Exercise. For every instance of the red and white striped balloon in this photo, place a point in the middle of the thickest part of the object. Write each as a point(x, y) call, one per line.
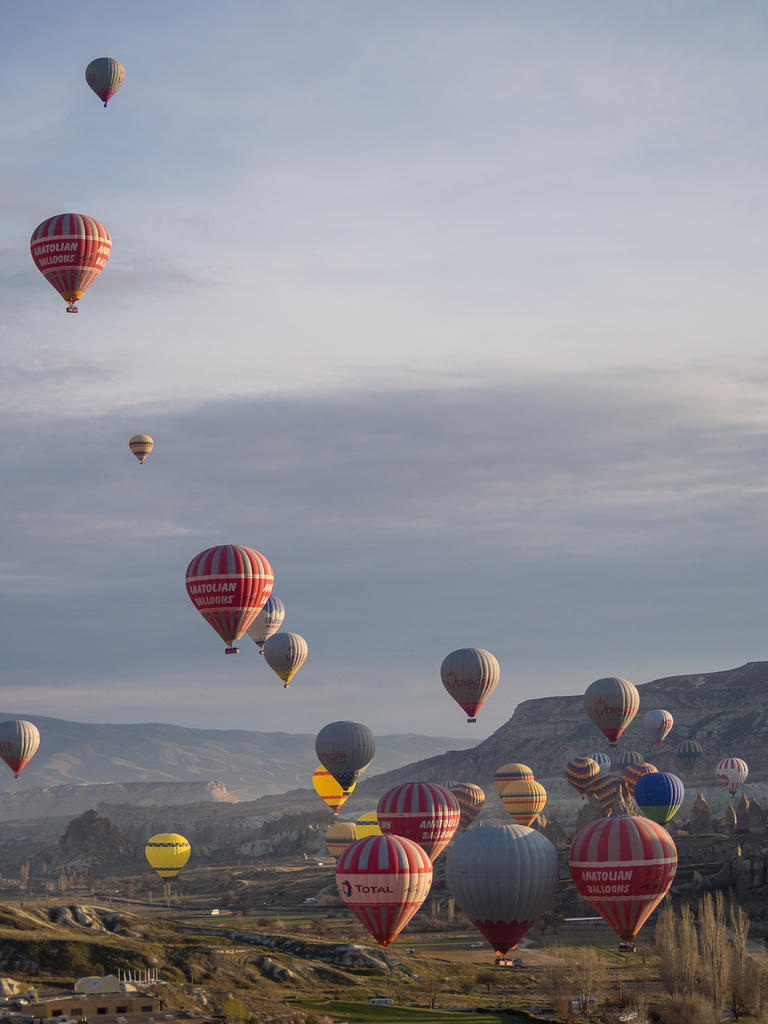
point(623, 868)
point(19, 741)
point(70, 250)
point(384, 880)
point(421, 811)
point(229, 586)
point(732, 773)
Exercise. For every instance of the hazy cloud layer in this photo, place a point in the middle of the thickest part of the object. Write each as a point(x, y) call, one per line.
point(574, 525)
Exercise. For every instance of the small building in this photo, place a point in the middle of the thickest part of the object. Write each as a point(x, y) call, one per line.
point(106, 996)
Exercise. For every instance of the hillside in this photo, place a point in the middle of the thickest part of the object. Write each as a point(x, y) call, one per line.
point(248, 764)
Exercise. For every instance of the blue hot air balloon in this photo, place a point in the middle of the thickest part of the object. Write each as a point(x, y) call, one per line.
point(659, 796)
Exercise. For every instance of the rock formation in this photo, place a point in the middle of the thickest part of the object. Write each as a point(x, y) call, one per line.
point(90, 840)
point(701, 820)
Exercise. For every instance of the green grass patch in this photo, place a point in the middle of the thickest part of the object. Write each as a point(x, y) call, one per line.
point(368, 1013)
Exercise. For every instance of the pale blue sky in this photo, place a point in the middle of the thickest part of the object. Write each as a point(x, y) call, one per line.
point(454, 310)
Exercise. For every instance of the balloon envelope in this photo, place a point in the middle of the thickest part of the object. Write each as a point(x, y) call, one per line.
point(141, 445)
point(167, 853)
point(503, 877)
point(659, 796)
point(328, 789)
point(629, 757)
point(285, 653)
point(524, 800)
point(732, 773)
point(611, 703)
point(633, 772)
point(367, 824)
point(384, 880)
point(339, 836)
point(470, 675)
point(268, 621)
point(470, 799)
point(105, 75)
point(623, 868)
point(657, 723)
point(229, 585)
point(19, 741)
point(688, 753)
point(581, 772)
point(421, 811)
point(512, 772)
point(70, 250)
point(602, 759)
point(345, 749)
point(606, 788)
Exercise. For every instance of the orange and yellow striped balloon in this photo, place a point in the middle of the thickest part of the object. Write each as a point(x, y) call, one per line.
point(512, 772)
point(141, 445)
point(524, 799)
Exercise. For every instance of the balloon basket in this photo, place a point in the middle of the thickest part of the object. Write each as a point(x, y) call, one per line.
point(471, 719)
point(231, 650)
point(286, 686)
point(72, 309)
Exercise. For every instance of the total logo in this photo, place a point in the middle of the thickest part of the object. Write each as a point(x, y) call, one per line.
point(346, 889)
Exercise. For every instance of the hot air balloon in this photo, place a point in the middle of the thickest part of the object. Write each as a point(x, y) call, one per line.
point(384, 880)
point(328, 789)
point(167, 853)
point(229, 585)
point(421, 811)
point(345, 749)
point(367, 824)
point(503, 877)
point(623, 868)
point(603, 761)
point(70, 250)
point(606, 788)
point(19, 741)
point(636, 771)
point(659, 796)
point(470, 675)
point(267, 622)
point(105, 75)
point(732, 773)
point(339, 836)
point(285, 653)
point(688, 753)
point(141, 445)
point(611, 703)
point(524, 800)
point(512, 772)
point(629, 757)
point(581, 773)
point(470, 799)
point(657, 724)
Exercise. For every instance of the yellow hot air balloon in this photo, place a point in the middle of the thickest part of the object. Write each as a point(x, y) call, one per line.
point(367, 825)
point(141, 445)
point(524, 799)
point(339, 836)
point(512, 772)
point(167, 853)
point(328, 789)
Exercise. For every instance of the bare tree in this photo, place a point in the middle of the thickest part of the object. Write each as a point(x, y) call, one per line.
point(715, 951)
point(687, 957)
point(24, 875)
point(588, 977)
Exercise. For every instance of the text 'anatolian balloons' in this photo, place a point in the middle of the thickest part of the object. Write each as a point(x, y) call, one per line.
point(623, 868)
point(229, 585)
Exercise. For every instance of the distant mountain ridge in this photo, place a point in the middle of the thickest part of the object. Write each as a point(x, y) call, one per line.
point(248, 764)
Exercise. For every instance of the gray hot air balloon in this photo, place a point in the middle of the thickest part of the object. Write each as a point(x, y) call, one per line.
point(105, 75)
point(345, 749)
point(503, 878)
point(611, 703)
point(470, 675)
point(285, 653)
point(19, 741)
